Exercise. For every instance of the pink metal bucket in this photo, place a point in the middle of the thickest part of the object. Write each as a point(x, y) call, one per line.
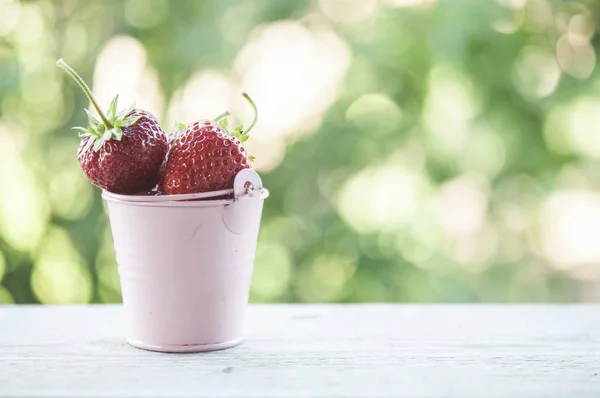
point(185, 265)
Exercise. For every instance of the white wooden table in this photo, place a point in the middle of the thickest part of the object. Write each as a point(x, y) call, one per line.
point(314, 351)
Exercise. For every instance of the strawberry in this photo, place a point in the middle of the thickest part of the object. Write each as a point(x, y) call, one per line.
point(122, 152)
point(178, 129)
point(205, 156)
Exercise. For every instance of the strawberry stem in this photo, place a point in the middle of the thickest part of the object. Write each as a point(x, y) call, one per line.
point(253, 105)
point(86, 90)
point(222, 116)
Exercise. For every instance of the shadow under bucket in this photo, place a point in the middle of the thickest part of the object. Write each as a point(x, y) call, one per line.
point(185, 265)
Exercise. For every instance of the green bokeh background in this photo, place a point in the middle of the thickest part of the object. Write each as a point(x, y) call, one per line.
point(416, 151)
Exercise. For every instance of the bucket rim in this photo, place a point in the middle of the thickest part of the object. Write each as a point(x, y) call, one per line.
point(264, 193)
point(164, 198)
point(240, 189)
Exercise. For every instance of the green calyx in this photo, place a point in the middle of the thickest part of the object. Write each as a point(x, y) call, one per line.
point(239, 131)
point(110, 125)
point(179, 126)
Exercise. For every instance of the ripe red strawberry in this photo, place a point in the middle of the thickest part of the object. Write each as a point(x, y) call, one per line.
point(122, 152)
point(206, 157)
point(178, 129)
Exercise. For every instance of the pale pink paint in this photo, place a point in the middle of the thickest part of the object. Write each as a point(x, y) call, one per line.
point(185, 266)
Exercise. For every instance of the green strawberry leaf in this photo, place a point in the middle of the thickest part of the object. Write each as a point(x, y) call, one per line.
point(128, 121)
point(125, 112)
point(252, 158)
point(223, 123)
point(93, 121)
point(112, 108)
point(179, 126)
point(98, 144)
point(89, 144)
point(83, 131)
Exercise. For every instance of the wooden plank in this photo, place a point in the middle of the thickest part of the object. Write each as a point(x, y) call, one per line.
point(314, 351)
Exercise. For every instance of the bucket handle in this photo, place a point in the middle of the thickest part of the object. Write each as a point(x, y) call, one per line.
point(247, 183)
point(243, 215)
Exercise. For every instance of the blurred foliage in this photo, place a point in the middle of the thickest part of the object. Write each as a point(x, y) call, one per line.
point(419, 151)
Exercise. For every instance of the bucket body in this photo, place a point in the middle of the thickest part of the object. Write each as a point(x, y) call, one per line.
point(185, 269)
